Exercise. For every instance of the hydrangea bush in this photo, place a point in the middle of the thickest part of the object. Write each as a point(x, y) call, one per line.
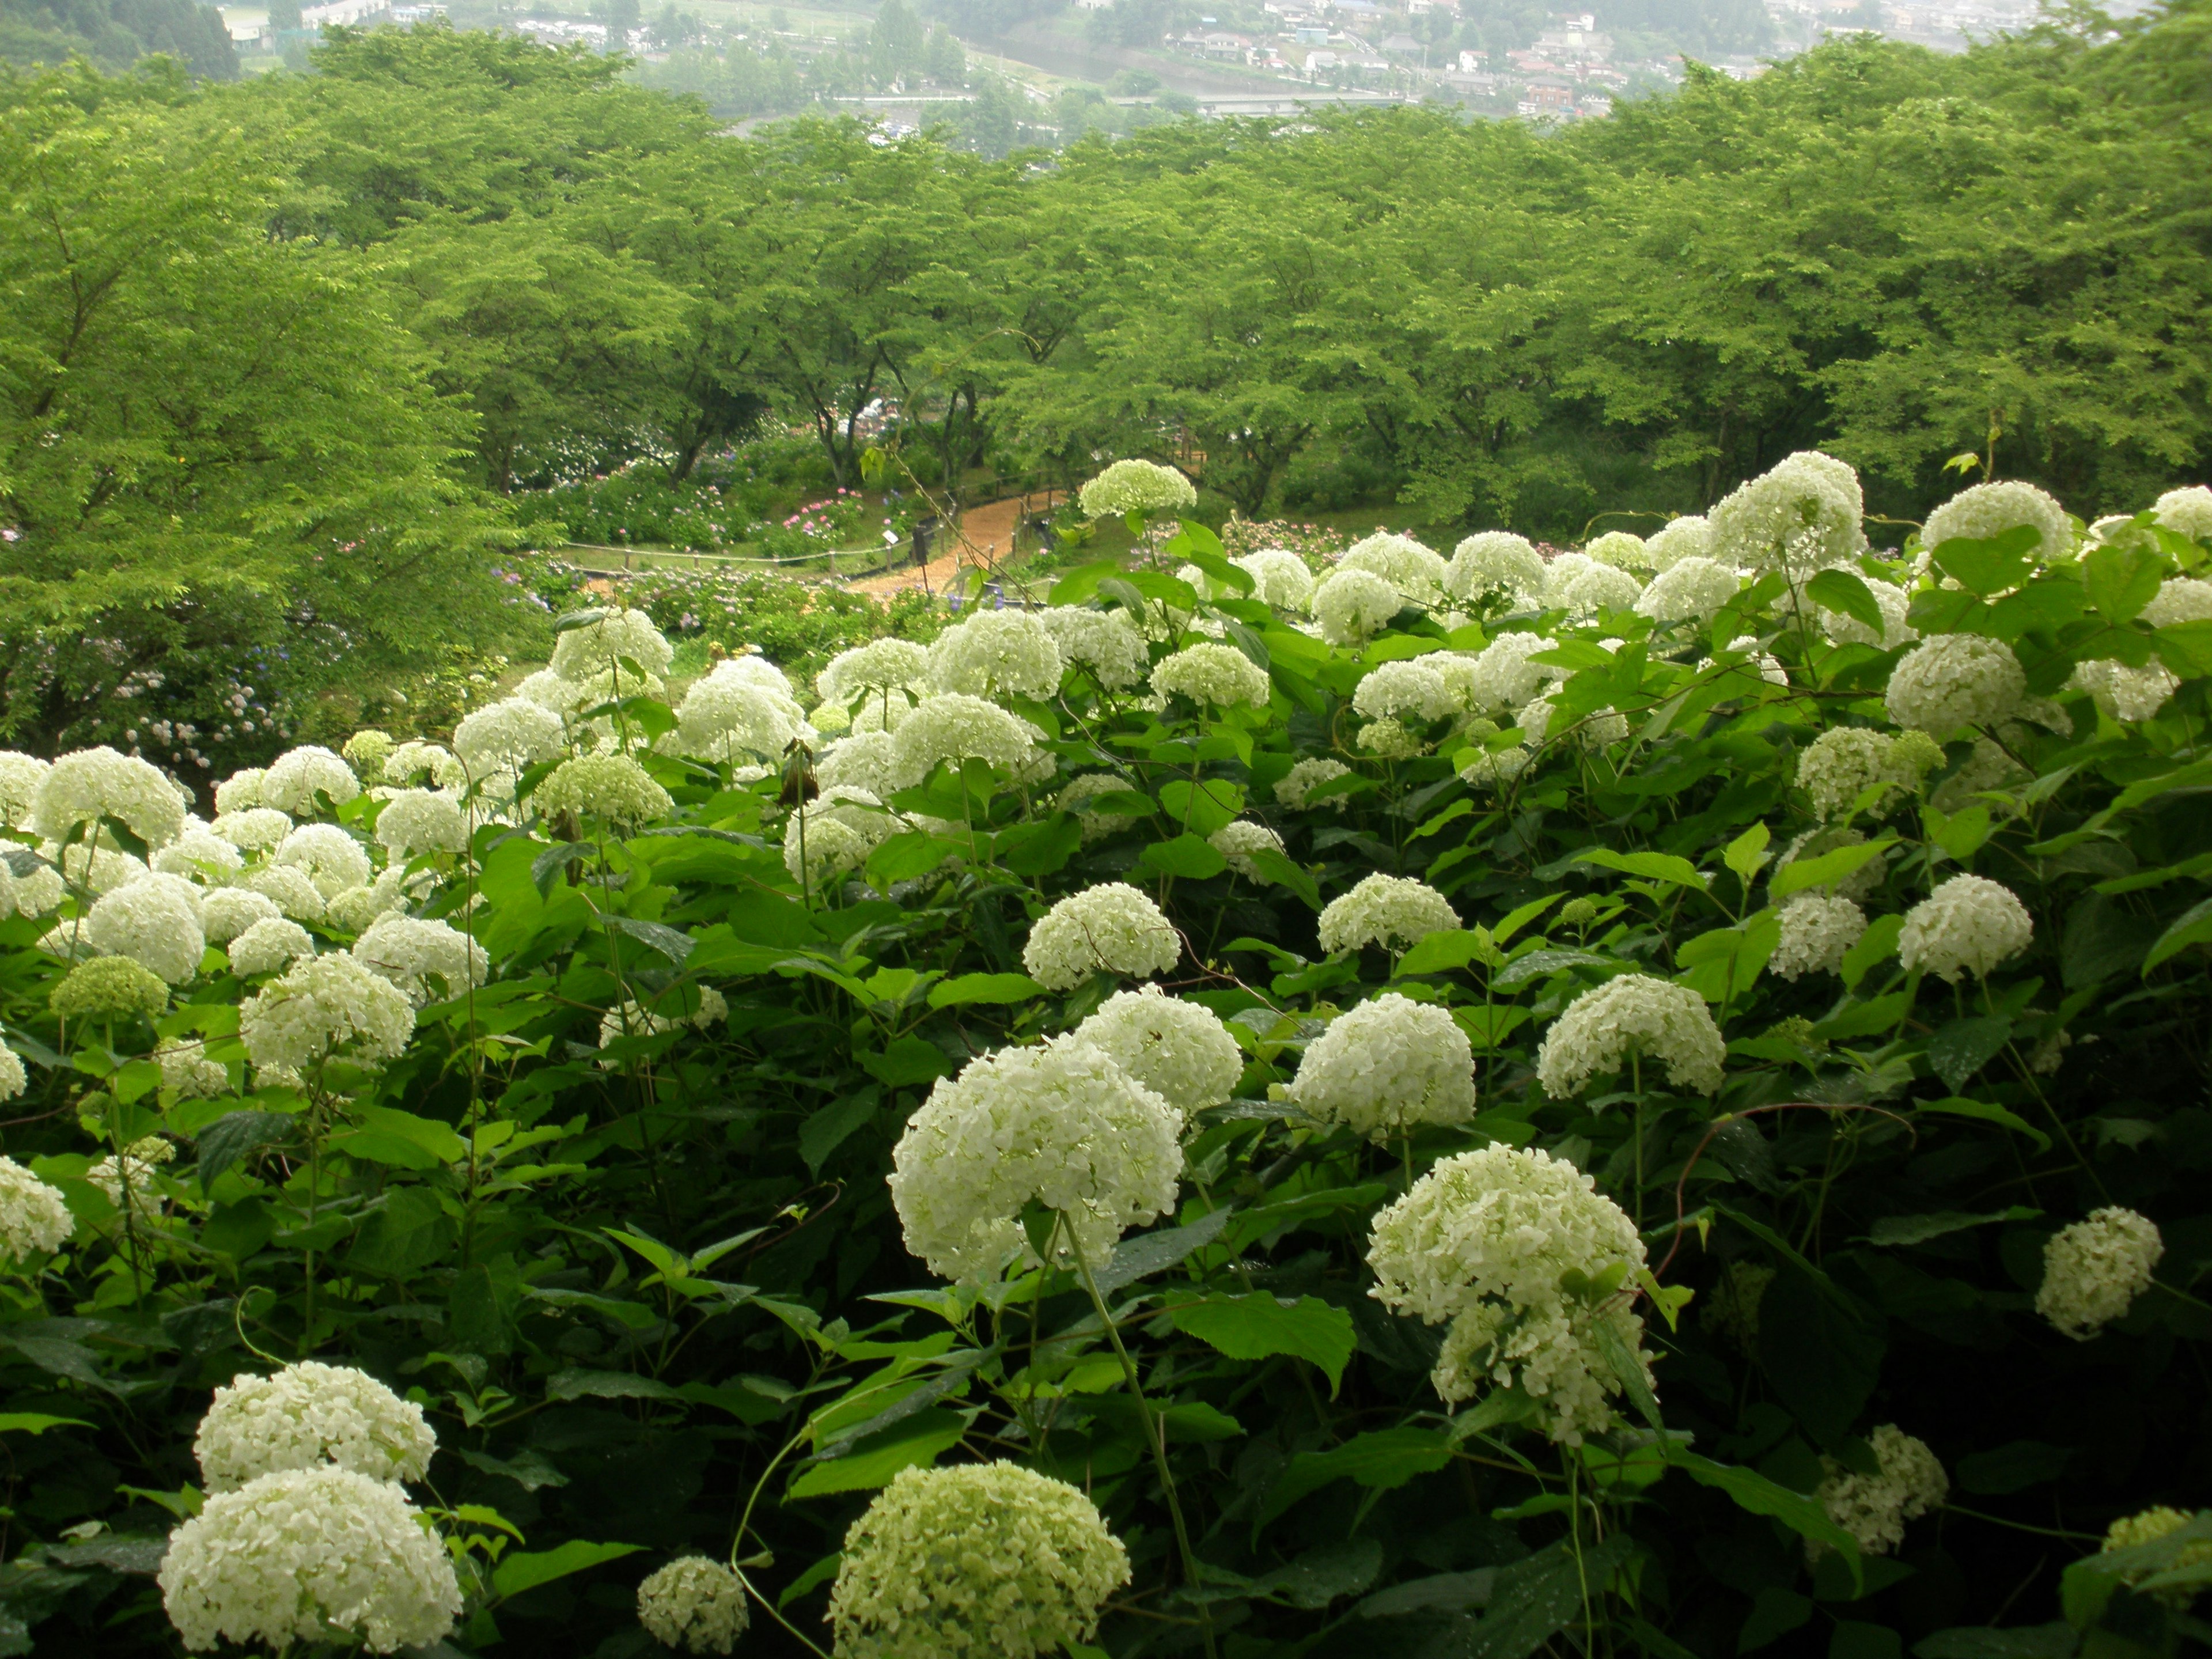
point(1652, 1100)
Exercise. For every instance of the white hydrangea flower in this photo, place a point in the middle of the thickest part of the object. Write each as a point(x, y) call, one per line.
point(1766, 666)
point(693, 1604)
point(1386, 1066)
point(415, 763)
point(1060, 1125)
point(1411, 687)
point(32, 1218)
point(269, 946)
point(1137, 487)
point(1582, 587)
point(1295, 786)
point(1634, 1015)
point(1280, 578)
point(199, 855)
point(1985, 510)
point(1352, 606)
point(1080, 792)
point(1844, 761)
point(508, 736)
point(862, 761)
point(722, 719)
point(297, 1557)
point(1105, 644)
point(1110, 928)
point(306, 1416)
point(328, 856)
point(366, 749)
point(2094, 1270)
point(1686, 537)
point(1239, 839)
point(632, 1019)
point(253, 828)
point(413, 954)
point(2188, 510)
point(289, 885)
point(1600, 729)
point(20, 777)
point(99, 869)
point(974, 1559)
point(242, 790)
point(421, 821)
point(1484, 1240)
point(1496, 561)
point(331, 1007)
point(1801, 516)
point(1417, 571)
point(354, 909)
point(1392, 911)
point(2178, 599)
point(2122, 692)
point(39, 894)
point(875, 669)
point(1623, 549)
point(1845, 629)
point(1181, 1052)
point(996, 653)
point(1494, 768)
point(187, 1072)
point(1217, 675)
point(613, 787)
point(90, 784)
point(1967, 926)
point(1503, 678)
point(1390, 739)
point(229, 911)
point(1816, 934)
point(955, 728)
point(1953, 680)
point(598, 647)
point(13, 1078)
point(835, 832)
point(1874, 1508)
point(131, 1178)
point(1690, 589)
point(295, 778)
point(148, 922)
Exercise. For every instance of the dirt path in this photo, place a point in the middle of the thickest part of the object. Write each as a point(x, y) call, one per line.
point(988, 528)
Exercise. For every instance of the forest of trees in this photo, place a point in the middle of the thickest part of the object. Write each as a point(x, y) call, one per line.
point(513, 266)
point(117, 34)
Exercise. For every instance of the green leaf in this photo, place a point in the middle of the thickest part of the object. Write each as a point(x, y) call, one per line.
point(36, 1423)
point(518, 1573)
point(1800, 1512)
point(1723, 964)
point(1774, 1613)
point(1892, 1231)
point(1988, 1113)
point(388, 1135)
point(1746, 854)
point(2186, 647)
point(2193, 926)
point(1821, 1350)
point(984, 987)
point(546, 867)
point(907, 1061)
point(1961, 1048)
point(1991, 566)
point(232, 1136)
point(1653, 866)
point(2123, 577)
point(1842, 590)
point(1878, 944)
point(1203, 807)
point(820, 1573)
point(1826, 871)
point(1539, 1595)
point(1284, 873)
point(1622, 1361)
point(606, 1385)
point(828, 1128)
point(909, 856)
point(659, 937)
point(914, 1442)
point(1155, 1252)
point(2089, 1585)
point(1445, 952)
point(1186, 856)
point(408, 1234)
point(2011, 1468)
point(1257, 1326)
point(1979, 1642)
point(1080, 584)
point(1381, 1460)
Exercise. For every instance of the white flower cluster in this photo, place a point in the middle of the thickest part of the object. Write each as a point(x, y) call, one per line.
point(834, 833)
point(1686, 537)
point(1110, 928)
point(421, 821)
point(1294, 788)
point(1623, 549)
point(1874, 1508)
point(1181, 1052)
point(253, 828)
point(2124, 693)
point(228, 912)
point(1239, 839)
point(956, 727)
point(298, 1557)
point(979, 1559)
point(1982, 511)
point(91, 784)
point(873, 670)
point(1105, 644)
point(1817, 931)
point(1503, 679)
point(1581, 586)
point(299, 781)
point(32, 1218)
point(415, 762)
point(2188, 510)
point(149, 921)
point(1280, 578)
point(1137, 487)
point(724, 718)
point(1391, 911)
point(996, 653)
point(694, 1605)
point(1800, 517)
point(1893, 602)
point(328, 1007)
point(424, 959)
point(1496, 561)
point(1634, 1015)
point(20, 777)
point(1484, 1240)
point(1840, 765)
point(2094, 1270)
point(1417, 571)
point(1352, 606)
point(2179, 600)
point(1387, 1066)
point(1397, 689)
point(1060, 1125)
point(307, 1415)
point(1690, 589)
point(330, 858)
point(632, 1019)
point(198, 854)
point(1953, 680)
point(612, 788)
point(1212, 676)
point(187, 1072)
point(506, 736)
point(269, 946)
point(599, 647)
point(129, 1178)
point(1967, 926)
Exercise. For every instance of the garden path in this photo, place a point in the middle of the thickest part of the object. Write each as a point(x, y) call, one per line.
point(988, 531)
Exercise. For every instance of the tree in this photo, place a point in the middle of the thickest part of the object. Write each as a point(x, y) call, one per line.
point(943, 58)
point(895, 44)
point(622, 16)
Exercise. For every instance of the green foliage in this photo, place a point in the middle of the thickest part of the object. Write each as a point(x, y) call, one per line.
point(115, 35)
